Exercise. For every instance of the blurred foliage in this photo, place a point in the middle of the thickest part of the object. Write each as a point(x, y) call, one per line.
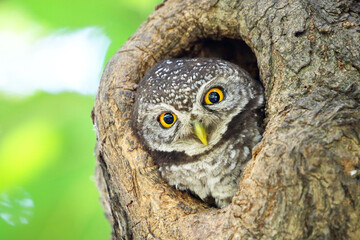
point(47, 189)
point(118, 18)
point(47, 149)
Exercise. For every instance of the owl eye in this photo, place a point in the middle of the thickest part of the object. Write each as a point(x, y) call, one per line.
point(214, 95)
point(167, 119)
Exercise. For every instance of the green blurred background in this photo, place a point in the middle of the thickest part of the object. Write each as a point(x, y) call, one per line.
point(47, 188)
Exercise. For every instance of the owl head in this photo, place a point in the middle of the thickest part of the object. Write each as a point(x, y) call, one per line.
point(187, 105)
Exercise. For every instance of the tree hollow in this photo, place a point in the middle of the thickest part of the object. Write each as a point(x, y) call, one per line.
point(303, 179)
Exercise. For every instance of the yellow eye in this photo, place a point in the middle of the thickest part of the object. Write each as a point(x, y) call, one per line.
point(214, 95)
point(167, 119)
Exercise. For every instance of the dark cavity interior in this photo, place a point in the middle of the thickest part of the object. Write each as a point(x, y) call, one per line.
point(232, 50)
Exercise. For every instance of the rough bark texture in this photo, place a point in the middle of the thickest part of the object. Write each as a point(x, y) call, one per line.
point(303, 181)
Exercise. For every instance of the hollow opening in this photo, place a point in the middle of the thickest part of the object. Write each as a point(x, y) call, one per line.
point(232, 50)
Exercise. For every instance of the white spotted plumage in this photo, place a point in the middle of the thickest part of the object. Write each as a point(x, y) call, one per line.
point(233, 126)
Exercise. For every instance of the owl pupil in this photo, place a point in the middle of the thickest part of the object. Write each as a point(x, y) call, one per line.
point(168, 118)
point(214, 97)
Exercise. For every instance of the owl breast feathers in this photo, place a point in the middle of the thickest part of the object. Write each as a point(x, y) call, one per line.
point(199, 119)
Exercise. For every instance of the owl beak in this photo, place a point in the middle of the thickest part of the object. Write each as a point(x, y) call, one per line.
point(200, 132)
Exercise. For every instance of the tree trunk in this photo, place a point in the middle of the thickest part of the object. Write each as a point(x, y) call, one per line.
point(303, 181)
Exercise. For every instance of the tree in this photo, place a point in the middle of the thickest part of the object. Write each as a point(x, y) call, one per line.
point(303, 181)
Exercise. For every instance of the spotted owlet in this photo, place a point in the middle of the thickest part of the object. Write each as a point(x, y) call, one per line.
point(199, 119)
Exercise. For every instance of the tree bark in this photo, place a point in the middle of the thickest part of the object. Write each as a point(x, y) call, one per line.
point(303, 181)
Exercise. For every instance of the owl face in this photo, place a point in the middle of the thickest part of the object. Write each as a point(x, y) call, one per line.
point(186, 105)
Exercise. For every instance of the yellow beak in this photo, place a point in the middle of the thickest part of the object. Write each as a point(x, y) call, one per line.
point(200, 132)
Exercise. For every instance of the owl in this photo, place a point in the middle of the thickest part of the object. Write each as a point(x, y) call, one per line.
point(199, 119)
